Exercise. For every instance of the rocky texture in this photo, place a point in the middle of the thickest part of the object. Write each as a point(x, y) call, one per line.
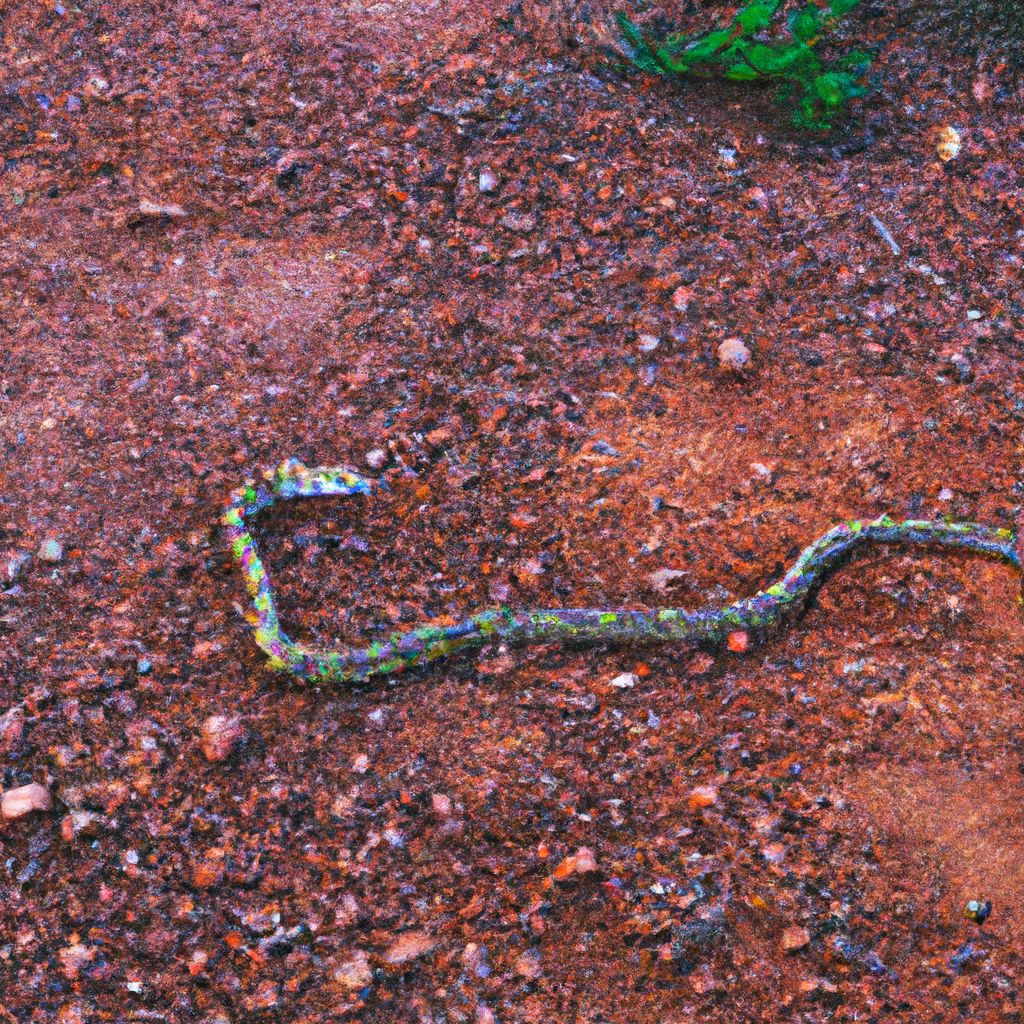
point(341, 284)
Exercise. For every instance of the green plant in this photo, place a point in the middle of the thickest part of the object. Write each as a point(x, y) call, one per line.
point(750, 50)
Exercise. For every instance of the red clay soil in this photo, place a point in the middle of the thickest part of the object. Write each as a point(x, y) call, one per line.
point(235, 233)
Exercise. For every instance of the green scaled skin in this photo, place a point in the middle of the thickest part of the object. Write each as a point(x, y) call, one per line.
point(744, 51)
point(560, 625)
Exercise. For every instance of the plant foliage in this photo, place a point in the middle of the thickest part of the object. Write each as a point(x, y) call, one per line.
point(751, 49)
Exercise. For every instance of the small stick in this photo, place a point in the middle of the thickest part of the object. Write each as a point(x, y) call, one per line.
point(722, 626)
point(885, 233)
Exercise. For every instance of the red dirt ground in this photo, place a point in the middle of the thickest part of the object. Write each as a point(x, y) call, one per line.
point(336, 282)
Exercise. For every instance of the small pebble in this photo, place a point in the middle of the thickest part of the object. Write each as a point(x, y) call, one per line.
point(354, 974)
point(624, 682)
point(51, 550)
point(978, 911)
point(409, 946)
point(16, 803)
point(488, 180)
point(150, 209)
point(795, 938)
point(375, 458)
point(220, 733)
point(702, 796)
point(648, 342)
point(962, 366)
point(733, 354)
point(703, 980)
point(948, 147)
point(80, 825)
point(738, 641)
point(197, 962)
point(207, 873)
point(442, 805)
point(663, 579)
point(582, 862)
point(348, 910)
point(361, 764)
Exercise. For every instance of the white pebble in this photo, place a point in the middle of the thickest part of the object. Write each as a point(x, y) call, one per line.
point(16, 803)
point(488, 180)
point(733, 354)
point(51, 550)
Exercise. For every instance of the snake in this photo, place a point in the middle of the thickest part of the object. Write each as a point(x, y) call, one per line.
point(730, 625)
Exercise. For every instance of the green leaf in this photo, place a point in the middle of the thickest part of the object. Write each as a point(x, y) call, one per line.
point(805, 24)
point(756, 17)
point(742, 72)
point(838, 8)
point(776, 61)
point(817, 90)
point(707, 46)
point(640, 51)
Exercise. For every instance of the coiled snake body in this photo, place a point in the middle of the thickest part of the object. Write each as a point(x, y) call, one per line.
point(569, 625)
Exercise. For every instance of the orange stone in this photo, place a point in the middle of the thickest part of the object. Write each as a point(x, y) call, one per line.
point(738, 641)
point(701, 797)
point(206, 873)
point(582, 862)
point(565, 869)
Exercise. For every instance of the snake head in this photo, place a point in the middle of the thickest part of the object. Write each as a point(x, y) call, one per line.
point(292, 479)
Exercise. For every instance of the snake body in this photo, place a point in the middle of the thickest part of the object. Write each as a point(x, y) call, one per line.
point(729, 624)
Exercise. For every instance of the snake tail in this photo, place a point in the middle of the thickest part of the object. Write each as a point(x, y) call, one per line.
point(427, 643)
